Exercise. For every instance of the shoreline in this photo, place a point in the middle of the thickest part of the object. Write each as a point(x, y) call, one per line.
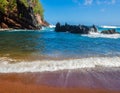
point(4, 29)
point(29, 83)
point(7, 29)
point(10, 29)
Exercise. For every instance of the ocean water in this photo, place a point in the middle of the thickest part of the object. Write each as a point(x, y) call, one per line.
point(109, 27)
point(61, 59)
point(46, 50)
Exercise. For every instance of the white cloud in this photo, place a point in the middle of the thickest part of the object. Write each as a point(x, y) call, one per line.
point(108, 2)
point(88, 2)
point(98, 2)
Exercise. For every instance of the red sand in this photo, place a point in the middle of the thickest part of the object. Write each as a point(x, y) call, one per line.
point(17, 87)
point(26, 83)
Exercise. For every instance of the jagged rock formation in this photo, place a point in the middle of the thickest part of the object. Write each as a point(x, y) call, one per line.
point(110, 31)
point(21, 14)
point(80, 29)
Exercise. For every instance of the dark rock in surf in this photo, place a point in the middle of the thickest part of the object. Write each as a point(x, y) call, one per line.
point(77, 29)
point(110, 31)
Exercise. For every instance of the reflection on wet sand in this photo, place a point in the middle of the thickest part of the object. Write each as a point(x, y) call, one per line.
point(84, 78)
point(17, 87)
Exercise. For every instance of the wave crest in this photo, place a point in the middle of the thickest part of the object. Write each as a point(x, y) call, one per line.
point(100, 35)
point(54, 65)
point(110, 26)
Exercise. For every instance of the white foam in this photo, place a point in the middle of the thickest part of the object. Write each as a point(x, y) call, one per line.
point(110, 26)
point(97, 35)
point(52, 65)
point(52, 26)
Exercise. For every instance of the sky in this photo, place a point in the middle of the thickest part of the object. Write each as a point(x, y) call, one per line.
point(99, 12)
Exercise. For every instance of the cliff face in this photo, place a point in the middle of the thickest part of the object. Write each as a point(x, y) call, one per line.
point(21, 14)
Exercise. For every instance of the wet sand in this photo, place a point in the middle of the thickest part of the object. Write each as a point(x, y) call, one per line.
point(77, 81)
point(18, 87)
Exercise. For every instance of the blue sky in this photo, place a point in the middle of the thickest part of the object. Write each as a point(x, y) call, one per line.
point(99, 12)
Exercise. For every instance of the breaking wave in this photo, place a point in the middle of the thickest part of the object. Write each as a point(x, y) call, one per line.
point(99, 35)
point(52, 26)
point(55, 65)
point(110, 26)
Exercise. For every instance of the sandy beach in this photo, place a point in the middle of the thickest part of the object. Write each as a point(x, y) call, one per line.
point(52, 83)
point(18, 87)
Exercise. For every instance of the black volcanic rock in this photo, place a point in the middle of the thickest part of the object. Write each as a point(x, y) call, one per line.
point(110, 31)
point(94, 28)
point(77, 29)
point(26, 14)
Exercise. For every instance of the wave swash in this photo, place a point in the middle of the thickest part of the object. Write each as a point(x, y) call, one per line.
point(53, 65)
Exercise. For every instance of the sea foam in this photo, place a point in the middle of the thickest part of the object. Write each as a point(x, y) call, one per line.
point(55, 65)
point(100, 35)
point(52, 26)
point(110, 26)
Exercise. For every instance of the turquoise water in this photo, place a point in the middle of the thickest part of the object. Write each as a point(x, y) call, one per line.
point(115, 27)
point(57, 45)
point(47, 50)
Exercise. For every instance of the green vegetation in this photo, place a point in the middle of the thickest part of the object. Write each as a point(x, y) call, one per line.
point(37, 6)
point(25, 2)
point(11, 5)
point(3, 5)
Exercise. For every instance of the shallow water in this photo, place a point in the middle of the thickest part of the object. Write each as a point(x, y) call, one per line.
point(51, 51)
point(49, 44)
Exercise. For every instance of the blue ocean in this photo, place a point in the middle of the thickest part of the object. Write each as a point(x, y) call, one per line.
point(63, 50)
point(62, 59)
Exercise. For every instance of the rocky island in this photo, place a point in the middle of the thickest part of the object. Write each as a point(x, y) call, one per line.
point(82, 29)
point(21, 14)
point(77, 29)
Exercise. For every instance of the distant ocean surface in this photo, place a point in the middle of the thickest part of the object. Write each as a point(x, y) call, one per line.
point(46, 50)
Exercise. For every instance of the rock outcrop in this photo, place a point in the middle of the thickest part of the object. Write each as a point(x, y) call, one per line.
point(110, 31)
point(20, 16)
point(77, 29)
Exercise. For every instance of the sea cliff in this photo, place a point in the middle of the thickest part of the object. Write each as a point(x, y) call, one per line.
point(21, 14)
